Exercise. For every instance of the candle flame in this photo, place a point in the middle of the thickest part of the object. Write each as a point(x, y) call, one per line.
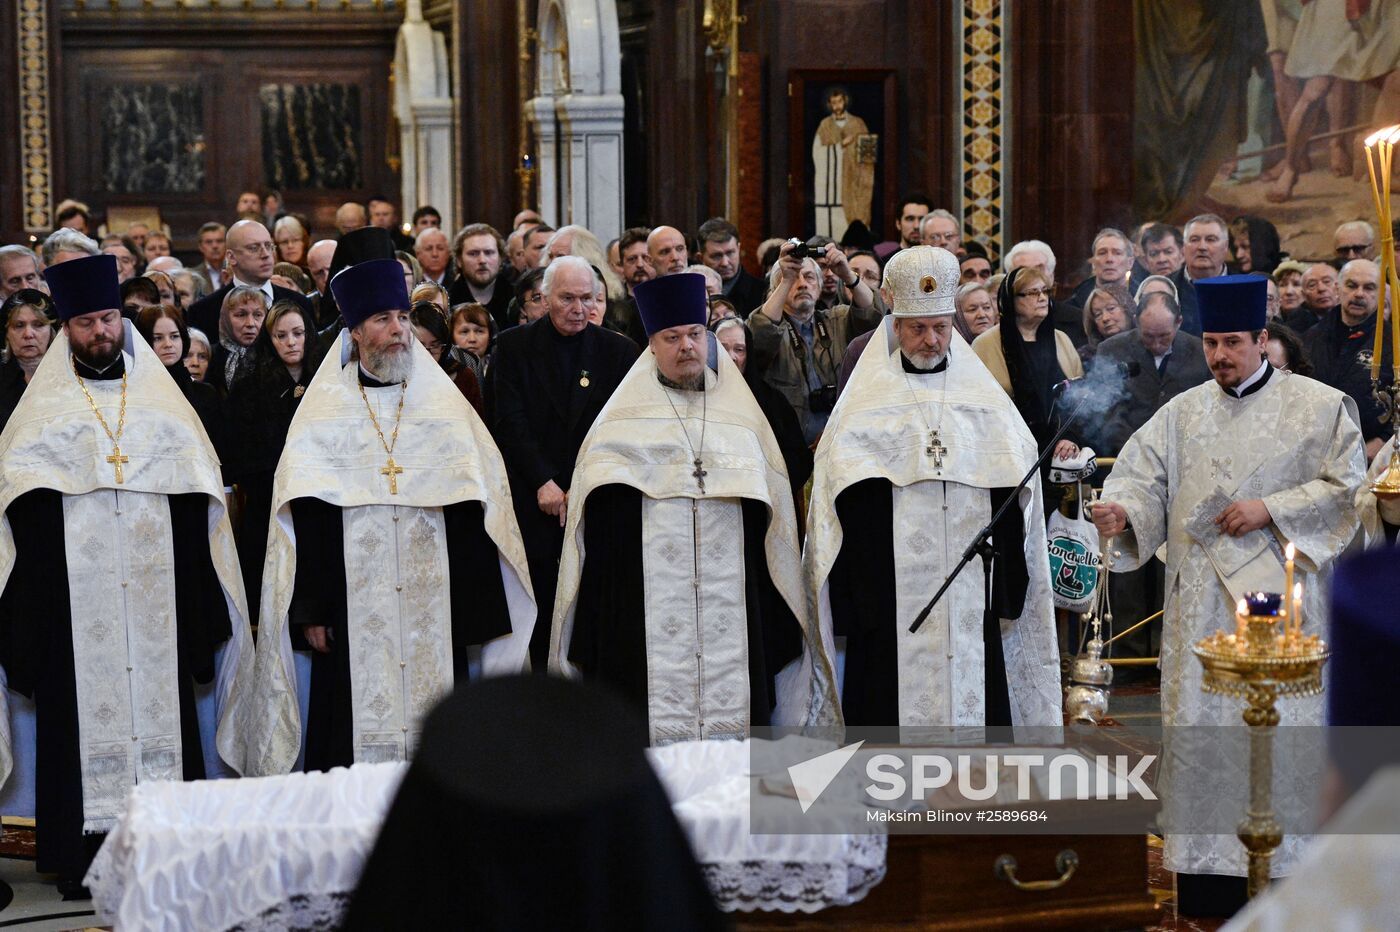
point(1298, 591)
point(1376, 137)
point(1290, 551)
point(1243, 608)
point(1394, 134)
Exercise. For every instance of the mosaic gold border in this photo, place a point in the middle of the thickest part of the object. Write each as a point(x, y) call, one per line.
point(982, 133)
point(36, 180)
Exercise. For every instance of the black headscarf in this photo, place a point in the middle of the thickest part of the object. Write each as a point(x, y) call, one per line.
point(1265, 252)
point(1033, 367)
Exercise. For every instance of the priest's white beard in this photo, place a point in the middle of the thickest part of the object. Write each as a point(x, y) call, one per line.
point(925, 360)
point(388, 365)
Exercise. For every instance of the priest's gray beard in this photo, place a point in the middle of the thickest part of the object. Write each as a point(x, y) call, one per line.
point(392, 363)
point(925, 360)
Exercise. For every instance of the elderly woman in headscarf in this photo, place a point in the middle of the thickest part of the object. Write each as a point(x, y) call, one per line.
point(977, 310)
point(1028, 357)
point(1108, 311)
point(240, 321)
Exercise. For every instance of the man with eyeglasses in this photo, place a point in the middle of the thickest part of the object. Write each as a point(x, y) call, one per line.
point(547, 382)
point(251, 256)
point(941, 228)
point(1355, 239)
point(1320, 296)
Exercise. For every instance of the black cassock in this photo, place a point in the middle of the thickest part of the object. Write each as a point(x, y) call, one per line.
point(863, 602)
point(609, 637)
point(36, 647)
point(480, 612)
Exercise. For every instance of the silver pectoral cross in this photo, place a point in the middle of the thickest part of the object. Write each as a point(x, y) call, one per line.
point(935, 449)
point(699, 472)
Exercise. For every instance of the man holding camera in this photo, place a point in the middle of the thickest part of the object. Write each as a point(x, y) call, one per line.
point(799, 348)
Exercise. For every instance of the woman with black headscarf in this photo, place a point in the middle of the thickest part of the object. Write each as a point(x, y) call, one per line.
point(1255, 245)
point(1028, 357)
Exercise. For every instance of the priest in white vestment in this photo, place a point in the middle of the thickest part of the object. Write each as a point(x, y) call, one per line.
point(920, 451)
point(680, 584)
point(1226, 475)
point(393, 550)
point(123, 625)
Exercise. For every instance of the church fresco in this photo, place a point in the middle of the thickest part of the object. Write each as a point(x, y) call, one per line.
point(1259, 108)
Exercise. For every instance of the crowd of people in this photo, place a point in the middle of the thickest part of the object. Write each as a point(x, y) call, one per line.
point(640, 398)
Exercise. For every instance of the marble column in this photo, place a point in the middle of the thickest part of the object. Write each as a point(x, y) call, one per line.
point(577, 115)
point(423, 105)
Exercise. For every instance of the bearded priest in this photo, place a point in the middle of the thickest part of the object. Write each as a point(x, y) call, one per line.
point(1226, 476)
point(393, 551)
point(123, 624)
point(920, 452)
point(680, 584)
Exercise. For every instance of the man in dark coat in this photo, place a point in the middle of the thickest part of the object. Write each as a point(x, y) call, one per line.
point(547, 382)
point(1342, 343)
point(251, 255)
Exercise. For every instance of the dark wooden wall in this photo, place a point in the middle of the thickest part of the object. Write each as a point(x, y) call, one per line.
point(1072, 123)
point(230, 57)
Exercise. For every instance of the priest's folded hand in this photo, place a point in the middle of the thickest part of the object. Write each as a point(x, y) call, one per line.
point(553, 500)
point(1110, 519)
point(319, 637)
point(1243, 517)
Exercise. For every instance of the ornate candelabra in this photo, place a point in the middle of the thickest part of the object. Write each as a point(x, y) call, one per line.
point(1265, 659)
point(1380, 148)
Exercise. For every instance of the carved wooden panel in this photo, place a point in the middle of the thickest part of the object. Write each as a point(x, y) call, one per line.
point(186, 118)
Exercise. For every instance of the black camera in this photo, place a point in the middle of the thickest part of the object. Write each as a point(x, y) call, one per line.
point(801, 250)
point(822, 400)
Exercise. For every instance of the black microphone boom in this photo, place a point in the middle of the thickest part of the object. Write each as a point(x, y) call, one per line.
point(981, 545)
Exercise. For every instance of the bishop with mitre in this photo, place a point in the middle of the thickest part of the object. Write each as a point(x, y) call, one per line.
point(922, 448)
point(123, 624)
point(680, 582)
point(393, 550)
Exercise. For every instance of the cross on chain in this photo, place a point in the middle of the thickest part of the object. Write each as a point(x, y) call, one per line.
point(699, 473)
point(935, 449)
point(391, 470)
point(116, 459)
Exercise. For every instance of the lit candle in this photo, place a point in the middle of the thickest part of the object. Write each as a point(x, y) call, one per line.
point(1289, 553)
point(1377, 349)
point(1241, 611)
point(1298, 609)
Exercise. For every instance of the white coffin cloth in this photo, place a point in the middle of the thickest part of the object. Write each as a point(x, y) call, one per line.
point(333, 454)
point(285, 852)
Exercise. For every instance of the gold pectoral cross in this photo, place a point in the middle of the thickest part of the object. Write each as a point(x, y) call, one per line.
point(391, 470)
point(116, 459)
point(935, 449)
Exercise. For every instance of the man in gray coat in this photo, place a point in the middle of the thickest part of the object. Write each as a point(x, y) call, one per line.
point(1161, 361)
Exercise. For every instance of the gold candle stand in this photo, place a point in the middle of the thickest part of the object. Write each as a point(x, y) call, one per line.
point(1260, 665)
point(1380, 150)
